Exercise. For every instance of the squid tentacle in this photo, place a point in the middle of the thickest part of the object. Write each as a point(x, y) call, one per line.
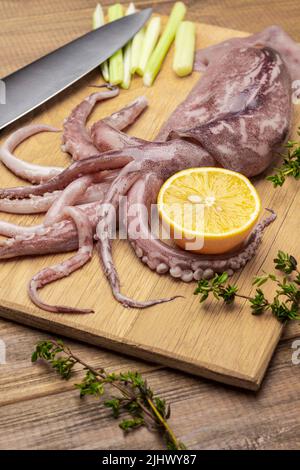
point(7, 229)
point(32, 205)
point(106, 134)
point(126, 116)
point(119, 188)
point(64, 269)
point(39, 204)
point(58, 238)
point(106, 137)
point(76, 138)
point(108, 161)
point(70, 196)
point(25, 170)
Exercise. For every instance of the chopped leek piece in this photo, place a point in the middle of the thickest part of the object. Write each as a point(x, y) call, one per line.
point(150, 40)
point(98, 20)
point(136, 50)
point(131, 9)
point(126, 66)
point(184, 49)
point(127, 54)
point(98, 17)
point(167, 37)
point(116, 68)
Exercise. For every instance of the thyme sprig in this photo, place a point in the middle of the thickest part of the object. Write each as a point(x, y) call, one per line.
point(286, 302)
point(133, 395)
point(290, 165)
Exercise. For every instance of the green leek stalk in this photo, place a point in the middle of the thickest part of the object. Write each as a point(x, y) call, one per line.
point(127, 54)
point(184, 48)
point(166, 39)
point(98, 20)
point(136, 49)
point(116, 68)
point(149, 42)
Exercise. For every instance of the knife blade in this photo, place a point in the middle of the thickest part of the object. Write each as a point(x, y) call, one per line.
point(44, 78)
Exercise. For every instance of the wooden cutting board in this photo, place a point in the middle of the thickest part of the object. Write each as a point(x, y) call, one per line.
point(211, 340)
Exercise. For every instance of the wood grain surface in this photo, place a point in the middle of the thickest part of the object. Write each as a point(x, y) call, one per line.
point(34, 413)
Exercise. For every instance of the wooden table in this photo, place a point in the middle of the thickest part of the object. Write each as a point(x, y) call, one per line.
point(38, 410)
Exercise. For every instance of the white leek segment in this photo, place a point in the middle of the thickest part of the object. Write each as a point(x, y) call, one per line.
point(184, 49)
point(136, 50)
point(116, 68)
point(98, 20)
point(167, 37)
point(149, 42)
point(127, 54)
point(131, 9)
point(98, 17)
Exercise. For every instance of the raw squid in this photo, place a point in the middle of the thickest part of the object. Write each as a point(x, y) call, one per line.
point(237, 116)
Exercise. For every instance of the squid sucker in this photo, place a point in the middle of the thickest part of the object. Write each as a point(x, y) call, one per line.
point(237, 116)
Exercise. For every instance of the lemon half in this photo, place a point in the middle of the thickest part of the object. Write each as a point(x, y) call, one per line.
point(208, 210)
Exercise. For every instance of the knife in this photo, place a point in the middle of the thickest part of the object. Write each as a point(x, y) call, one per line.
point(44, 78)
